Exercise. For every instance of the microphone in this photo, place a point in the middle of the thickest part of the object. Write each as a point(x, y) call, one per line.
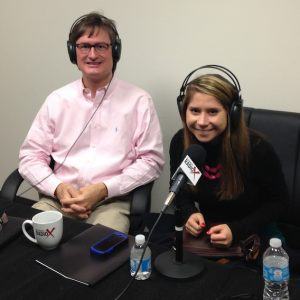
point(171, 263)
point(188, 171)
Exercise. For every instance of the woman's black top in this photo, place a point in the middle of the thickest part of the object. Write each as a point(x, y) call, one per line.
point(262, 201)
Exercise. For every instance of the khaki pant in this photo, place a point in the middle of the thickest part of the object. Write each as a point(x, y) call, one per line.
point(113, 213)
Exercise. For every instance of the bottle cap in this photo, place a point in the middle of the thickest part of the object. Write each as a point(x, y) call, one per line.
point(275, 243)
point(140, 239)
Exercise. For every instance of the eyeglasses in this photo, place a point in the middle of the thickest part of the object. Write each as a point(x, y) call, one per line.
point(85, 48)
point(3, 220)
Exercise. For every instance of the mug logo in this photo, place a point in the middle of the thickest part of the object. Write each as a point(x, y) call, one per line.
point(46, 233)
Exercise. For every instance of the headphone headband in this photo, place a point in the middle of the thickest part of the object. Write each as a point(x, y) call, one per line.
point(217, 67)
point(104, 20)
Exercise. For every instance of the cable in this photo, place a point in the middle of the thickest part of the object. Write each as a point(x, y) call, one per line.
point(239, 297)
point(141, 259)
point(74, 143)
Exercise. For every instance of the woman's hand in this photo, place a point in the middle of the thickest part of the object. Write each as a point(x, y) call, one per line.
point(220, 235)
point(195, 224)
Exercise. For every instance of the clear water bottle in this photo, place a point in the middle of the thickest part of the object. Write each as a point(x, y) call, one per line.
point(135, 256)
point(276, 272)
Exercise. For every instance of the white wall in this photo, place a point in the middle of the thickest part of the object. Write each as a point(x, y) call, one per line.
point(162, 42)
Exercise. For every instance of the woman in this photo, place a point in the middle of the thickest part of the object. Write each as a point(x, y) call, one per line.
point(242, 188)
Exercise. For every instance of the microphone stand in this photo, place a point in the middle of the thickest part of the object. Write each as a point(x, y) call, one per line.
point(177, 263)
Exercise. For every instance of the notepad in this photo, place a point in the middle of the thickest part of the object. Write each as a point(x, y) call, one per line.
point(73, 260)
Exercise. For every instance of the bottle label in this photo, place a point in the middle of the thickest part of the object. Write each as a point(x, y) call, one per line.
point(145, 266)
point(276, 274)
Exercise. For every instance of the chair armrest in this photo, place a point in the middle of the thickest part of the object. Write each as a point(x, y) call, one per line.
point(140, 204)
point(11, 185)
point(141, 199)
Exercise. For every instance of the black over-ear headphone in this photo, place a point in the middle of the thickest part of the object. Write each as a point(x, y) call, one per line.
point(116, 46)
point(236, 105)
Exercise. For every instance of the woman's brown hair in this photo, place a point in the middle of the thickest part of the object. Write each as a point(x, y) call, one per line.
point(235, 141)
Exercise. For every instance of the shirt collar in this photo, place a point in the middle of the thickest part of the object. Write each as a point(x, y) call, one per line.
point(86, 92)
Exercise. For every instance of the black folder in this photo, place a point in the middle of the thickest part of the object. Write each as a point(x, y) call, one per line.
point(73, 260)
point(10, 230)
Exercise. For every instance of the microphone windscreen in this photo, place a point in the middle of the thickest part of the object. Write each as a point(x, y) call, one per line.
point(197, 154)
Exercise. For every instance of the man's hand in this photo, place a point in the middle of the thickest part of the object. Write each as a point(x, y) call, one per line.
point(87, 197)
point(195, 224)
point(65, 192)
point(220, 235)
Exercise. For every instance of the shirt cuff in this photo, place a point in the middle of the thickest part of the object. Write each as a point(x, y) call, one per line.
point(113, 187)
point(52, 184)
point(237, 232)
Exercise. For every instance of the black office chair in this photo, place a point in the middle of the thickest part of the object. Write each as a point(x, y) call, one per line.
point(140, 203)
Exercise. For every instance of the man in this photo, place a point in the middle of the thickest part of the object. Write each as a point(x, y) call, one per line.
point(102, 133)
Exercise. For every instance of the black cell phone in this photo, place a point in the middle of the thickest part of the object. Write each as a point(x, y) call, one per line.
point(109, 243)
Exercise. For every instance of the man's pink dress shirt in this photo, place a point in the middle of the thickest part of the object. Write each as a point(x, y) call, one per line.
point(121, 146)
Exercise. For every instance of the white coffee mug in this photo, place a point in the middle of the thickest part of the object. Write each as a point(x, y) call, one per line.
point(47, 228)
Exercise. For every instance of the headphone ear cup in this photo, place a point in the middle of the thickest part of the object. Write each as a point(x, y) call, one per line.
point(236, 113)
point(72, 52)
point(180, 99)
point(116, 50)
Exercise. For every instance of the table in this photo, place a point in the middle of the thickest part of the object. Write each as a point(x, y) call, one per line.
point(22, 278)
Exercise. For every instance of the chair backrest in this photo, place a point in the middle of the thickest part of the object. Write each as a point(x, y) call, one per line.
point(11, 185)
point(282, 129)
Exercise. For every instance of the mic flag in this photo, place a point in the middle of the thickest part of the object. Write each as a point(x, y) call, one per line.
point(193, 159)
point(189, 170)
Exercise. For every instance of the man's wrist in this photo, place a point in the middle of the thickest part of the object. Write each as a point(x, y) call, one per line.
point(103, 191)
point(56, 190)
